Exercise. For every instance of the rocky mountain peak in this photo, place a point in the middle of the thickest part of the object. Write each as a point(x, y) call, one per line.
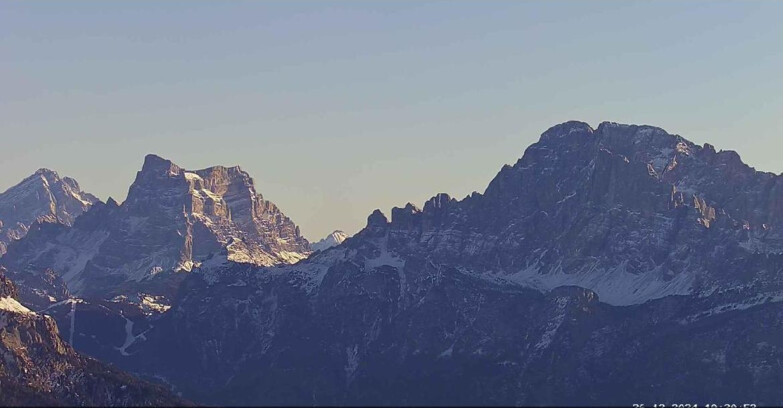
point(565, 129)
point(335, 238)
point(162, 178)
point(377, 220)
point(405, 215)
point(439, 201)
point(40, 197)
point(46, 173)
point(643, 143)
point(155, 164)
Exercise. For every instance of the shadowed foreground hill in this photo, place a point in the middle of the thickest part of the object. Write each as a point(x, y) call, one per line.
point(39, 368)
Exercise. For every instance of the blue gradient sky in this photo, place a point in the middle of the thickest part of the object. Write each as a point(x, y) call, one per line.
point(339, 108)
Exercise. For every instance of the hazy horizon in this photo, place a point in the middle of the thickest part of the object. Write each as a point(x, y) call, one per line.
point(336, 110)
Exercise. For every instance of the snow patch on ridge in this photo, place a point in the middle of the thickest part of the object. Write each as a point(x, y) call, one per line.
point(614, 286)
point(747, 303)
point(386, 258)
point(553, 325)
point(129, 337)
point(291, 257)
point(71, 254)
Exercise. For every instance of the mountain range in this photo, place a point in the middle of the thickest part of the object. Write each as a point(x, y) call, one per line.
point(171, 219)
point(607, 266)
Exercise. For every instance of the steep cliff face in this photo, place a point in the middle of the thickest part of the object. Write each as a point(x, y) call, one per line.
point(39, 368)
point(42, 197)
point(606, 266)
point(171, 220)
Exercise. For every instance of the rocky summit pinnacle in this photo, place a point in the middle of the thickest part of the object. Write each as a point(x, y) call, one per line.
point(171, 220)
point(153, 161)
point(41, 197)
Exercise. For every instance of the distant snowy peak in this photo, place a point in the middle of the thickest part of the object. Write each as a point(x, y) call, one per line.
point(331, 240)
point(43, 196)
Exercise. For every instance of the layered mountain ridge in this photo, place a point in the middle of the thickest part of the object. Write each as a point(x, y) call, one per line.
point(630, 212)
point(607, 266)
